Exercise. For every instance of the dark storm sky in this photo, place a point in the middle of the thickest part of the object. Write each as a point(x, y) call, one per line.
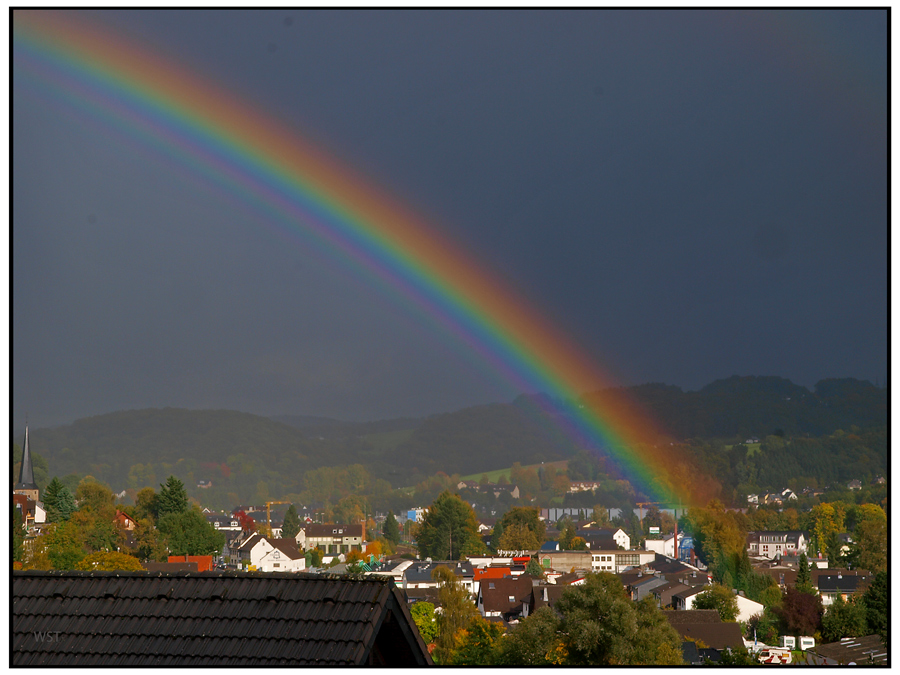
point(689, 195)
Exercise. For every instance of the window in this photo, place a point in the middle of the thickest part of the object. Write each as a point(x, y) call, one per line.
point(276, 564)
point(512, 598)
point(491, 585)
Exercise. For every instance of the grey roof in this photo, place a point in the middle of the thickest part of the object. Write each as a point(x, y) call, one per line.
point(420, 572)
point(26, 471)
point(861, 651)
point(210, 619)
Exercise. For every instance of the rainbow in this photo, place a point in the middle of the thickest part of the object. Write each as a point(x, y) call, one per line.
point(304, 190)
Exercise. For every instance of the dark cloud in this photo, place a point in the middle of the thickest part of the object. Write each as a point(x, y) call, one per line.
point(689, 195)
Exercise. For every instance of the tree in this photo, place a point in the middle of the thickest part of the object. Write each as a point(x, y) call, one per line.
point(424, 618)
point(804, 581)
point(477, 645)
point(457, 610)
point(291, 524)
point(601, 626)
point(109, 561)
point(58, 501)
point(536, 641)
point(448, 529)
point(876, 600)
point(146, 504)
point(528, 518)
point(800, 613)
point(533, 569)
point(188, 533)
point(871, 537)
point(391, 529)
point(601, 516)
point(720, 598)
point(18, 536)
point(151, 543)
point(64, 547)
point(172, 497)
point(517, 537)
point(844, 619)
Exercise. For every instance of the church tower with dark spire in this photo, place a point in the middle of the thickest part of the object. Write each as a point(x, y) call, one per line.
point(26, 485)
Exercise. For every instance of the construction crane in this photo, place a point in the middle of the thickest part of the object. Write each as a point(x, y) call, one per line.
point(269, 513)
point(641, 506)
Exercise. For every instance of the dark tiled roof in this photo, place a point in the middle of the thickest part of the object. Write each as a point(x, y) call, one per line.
point(210, 619)
point(678, 617)
point(420, 572)
point(861, 651)
point(496, 593)
point(717, 635)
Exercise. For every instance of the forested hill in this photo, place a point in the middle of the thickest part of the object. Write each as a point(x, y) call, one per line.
point(244, 454)
point(760, 406)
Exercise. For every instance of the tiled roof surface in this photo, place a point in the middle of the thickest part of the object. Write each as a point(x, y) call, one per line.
point(680, 616)
point(861, 651)
point(496, 593)
point(208, 619)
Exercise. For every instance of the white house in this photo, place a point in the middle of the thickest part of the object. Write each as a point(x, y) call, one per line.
point(748, 608)
point(251, 552)
point(664, 546)
point(776, 544)
point(283, 557)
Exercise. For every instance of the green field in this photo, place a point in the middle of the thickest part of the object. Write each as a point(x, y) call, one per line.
point(494, 476)
point(752, 448)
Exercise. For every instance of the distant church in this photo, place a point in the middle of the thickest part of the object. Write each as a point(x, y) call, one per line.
point(26, 493)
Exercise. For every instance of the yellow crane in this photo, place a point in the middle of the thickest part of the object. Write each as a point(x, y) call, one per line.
point(641, 506)
point(269, 513)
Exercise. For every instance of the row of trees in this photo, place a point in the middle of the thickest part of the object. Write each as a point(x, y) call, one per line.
point(166, 523)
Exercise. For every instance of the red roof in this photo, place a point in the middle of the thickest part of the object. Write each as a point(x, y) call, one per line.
point(491, 573)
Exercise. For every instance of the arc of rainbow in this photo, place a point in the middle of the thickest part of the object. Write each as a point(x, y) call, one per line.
point(289, 179)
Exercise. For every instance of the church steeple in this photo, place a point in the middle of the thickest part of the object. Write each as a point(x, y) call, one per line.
point(26, 484)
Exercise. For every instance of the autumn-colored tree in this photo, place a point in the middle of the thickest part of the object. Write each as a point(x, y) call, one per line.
point(457, 611)
point(109, 561)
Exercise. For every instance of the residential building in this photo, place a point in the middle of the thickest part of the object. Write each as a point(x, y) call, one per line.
point(124, 521)
point(419, 574)
point(665, 545)
point(509, 598)
point(869, 650)
point(331, 538)
point(231, 619)
point(204, 562)
point(617, 561)
point(747, 608)
point(283, 557)
point(705, 625)
point(832, 586)
point(777, 544)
